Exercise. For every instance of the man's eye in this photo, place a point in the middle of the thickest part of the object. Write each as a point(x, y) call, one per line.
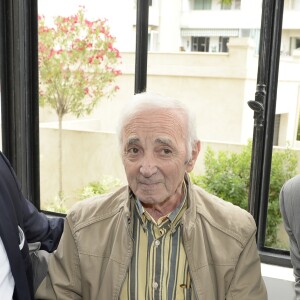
point(133, 150)
point(167, 151)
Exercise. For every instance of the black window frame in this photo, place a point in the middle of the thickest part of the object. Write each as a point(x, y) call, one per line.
point(264, 107)
point(19, 92)
point(20, 105)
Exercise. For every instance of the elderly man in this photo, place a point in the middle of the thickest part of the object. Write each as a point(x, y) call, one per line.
point(160, 237)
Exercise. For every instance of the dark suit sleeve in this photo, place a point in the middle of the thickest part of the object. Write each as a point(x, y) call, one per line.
point(36, 226)
point(40, 228)
point(290, 211)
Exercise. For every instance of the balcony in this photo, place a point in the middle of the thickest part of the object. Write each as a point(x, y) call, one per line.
point(220, 19)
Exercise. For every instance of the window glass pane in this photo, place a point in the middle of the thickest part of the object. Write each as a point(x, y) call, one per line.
point(286, 149)
point(215, 84)
point(86, 56)
point(215, 74)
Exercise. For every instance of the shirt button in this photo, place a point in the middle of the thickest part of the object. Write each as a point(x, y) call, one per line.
point(157, 243)
point(155, 285)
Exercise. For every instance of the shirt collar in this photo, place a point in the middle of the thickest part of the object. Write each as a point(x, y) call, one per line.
point(171, 216)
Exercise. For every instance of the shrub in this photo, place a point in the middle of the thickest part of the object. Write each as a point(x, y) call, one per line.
point(107, 184)
point(284, 164)
point(227, 175)
point(58, 205)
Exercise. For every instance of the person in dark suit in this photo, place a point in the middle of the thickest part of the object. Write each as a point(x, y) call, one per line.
point(289, 200)
point(21, 223)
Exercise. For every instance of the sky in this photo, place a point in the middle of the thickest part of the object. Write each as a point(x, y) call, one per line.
point(95, 8)
point(120, 15)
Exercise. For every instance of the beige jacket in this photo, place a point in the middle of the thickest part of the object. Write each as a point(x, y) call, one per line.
point(93, 256)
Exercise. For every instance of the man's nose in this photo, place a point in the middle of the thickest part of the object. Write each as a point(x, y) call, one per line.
point(148, 167)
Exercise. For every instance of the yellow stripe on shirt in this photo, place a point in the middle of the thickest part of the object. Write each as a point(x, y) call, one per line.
point(159, 268)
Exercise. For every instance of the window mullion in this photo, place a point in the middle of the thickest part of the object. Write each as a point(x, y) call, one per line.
point(141, 53)
point(270, 111)
point(264, 113)
point(19, 90)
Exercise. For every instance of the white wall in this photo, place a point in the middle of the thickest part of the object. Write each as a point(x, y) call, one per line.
point(279, 282)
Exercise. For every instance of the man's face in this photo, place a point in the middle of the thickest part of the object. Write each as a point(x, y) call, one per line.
point(154, 155)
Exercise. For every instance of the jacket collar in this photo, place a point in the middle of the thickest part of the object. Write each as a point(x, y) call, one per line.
point(189, 216)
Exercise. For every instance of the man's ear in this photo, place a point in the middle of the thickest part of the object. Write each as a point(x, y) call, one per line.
point(195, 153)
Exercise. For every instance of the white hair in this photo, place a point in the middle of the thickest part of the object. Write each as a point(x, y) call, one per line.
point(146, 101)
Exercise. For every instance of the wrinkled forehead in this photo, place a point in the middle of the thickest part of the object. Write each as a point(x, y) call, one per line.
point(156, 122)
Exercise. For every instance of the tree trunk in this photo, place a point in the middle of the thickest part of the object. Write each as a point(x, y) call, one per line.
point(60, 171)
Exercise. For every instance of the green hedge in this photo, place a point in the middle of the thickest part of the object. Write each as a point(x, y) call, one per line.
point(227, 175)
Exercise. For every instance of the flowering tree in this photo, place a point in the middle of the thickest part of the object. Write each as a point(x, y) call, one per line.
point(77, 67)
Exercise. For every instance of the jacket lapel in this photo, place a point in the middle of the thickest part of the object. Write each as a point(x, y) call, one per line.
point(10, 237)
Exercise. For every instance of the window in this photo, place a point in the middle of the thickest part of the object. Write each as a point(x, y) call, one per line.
point(234, 4)
point(152, 40)
point(276, 130)
point(294, 44)
point(237, 4)
point(219, 99)
point(296, 4)
point(202, 4)
point(200, 43)
point(19, 97)
point(85, 121)
point(225, 5)
point(223, 44)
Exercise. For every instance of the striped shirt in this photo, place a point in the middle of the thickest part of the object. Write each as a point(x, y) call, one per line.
point(159, 268)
